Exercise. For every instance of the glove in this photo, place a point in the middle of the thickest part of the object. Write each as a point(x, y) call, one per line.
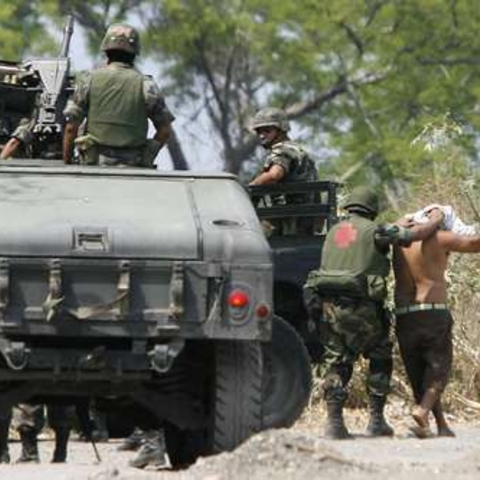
point(391, 233)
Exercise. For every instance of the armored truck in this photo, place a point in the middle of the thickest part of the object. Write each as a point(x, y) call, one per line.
point(148, 289)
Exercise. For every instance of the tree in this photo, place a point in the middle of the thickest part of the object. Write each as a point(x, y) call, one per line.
point(367, 74)
point(21, 31)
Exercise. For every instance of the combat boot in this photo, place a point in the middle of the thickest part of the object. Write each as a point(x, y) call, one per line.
point(28, 437)
point(61, 442)
point(335, 428)
point(152, 454)
point(377, 425)
point(133, 442)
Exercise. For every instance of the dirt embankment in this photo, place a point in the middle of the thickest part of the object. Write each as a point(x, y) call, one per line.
point(297, 453)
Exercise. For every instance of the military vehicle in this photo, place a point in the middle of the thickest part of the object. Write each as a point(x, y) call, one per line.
point(296, 338)
point(156, 293)
point(137, 288)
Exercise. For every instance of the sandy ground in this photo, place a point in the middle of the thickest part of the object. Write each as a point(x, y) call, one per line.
point(297, 453)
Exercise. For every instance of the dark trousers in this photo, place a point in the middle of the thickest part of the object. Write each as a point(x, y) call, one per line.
point(425, 341)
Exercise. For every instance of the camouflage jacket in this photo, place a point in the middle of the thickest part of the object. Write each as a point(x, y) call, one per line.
point(293, 158)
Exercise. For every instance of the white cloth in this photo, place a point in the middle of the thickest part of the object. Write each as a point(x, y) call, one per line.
point(451, 221)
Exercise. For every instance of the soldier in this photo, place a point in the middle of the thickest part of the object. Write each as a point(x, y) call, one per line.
point(29, 420)
point(21, 137)
point(352, 283)
point(117, 101)
point(286, 161)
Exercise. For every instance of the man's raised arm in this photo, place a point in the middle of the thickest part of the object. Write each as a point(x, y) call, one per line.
point(453, 242)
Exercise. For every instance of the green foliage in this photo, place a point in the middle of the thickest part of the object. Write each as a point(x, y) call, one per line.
point(362, 79)
point(22, 33)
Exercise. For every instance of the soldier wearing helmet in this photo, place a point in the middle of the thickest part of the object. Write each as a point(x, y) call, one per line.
point(116, 101)
point(286, 160)
point(352, 285)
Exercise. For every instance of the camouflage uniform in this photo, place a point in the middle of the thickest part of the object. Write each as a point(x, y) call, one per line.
point(295, 162)
point(117, 101)
point(29, 419)
point(24, 130)
point(352, 283)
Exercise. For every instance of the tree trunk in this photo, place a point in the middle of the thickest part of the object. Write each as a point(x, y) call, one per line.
point(176, 153)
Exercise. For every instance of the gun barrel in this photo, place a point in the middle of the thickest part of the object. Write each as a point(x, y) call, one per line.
point(7, 69)
point(67, 36)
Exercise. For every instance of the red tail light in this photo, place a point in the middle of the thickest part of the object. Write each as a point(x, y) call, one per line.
point(262, 311)
point(238, 299)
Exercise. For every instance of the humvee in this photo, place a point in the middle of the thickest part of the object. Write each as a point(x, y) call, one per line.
point(157, 288)
point(156, 293)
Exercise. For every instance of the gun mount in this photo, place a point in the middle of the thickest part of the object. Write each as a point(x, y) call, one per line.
point(35, 92)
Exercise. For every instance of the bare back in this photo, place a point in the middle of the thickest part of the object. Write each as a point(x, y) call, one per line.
point(420, 268)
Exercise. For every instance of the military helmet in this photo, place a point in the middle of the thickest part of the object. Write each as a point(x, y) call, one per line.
point(363, 197)
point(121, 37)
point(270, 117)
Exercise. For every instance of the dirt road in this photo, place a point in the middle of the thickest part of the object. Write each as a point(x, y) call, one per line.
point(297, 453)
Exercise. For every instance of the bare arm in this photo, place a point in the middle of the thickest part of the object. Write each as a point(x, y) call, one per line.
point(458, 243)
point(10, 148)
point(70, 133)
point(273, 175)
point(422, 231)
point(163, 134)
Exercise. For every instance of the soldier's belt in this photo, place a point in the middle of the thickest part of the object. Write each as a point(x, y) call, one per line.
point(420, 307)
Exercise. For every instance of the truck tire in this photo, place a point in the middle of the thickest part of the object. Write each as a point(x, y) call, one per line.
point(287, 377)
point(238, 393)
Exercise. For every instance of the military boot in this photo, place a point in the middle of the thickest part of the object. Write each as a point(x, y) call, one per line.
point(152, 454)
point(28, 437)
point(377, 425)
point(133, 442)
point(61, 442)
point(335, 428)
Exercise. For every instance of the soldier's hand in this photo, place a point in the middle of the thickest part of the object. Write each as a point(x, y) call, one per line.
point(392, 233)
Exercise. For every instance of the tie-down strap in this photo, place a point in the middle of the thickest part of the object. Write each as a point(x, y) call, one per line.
point(120, 305)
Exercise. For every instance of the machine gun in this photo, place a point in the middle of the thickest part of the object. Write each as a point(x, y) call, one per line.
point(35, 92)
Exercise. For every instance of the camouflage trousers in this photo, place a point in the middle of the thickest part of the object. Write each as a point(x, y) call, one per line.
point(356, 328)
point(32, 416)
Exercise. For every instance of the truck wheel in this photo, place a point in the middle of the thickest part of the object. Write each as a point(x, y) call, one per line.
point(287, 377)
point(238, 394)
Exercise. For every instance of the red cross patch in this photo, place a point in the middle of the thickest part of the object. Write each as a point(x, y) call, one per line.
point(345, 236)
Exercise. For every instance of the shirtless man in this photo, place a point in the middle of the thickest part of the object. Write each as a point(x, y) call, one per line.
point(424, 323)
